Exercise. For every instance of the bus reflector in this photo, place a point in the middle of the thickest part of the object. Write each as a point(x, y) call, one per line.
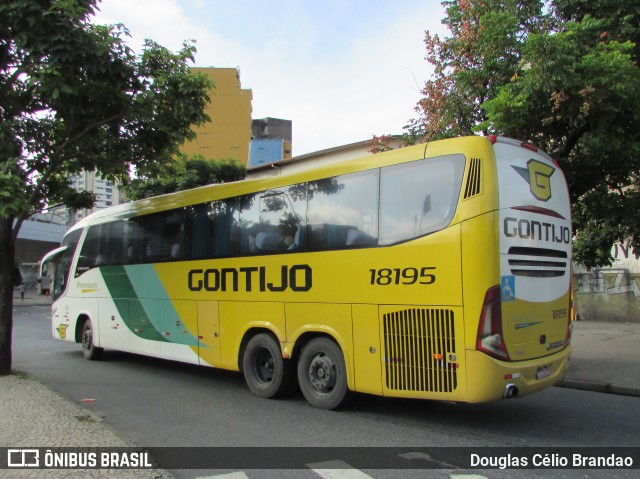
point(490, 339)
point(529, 146)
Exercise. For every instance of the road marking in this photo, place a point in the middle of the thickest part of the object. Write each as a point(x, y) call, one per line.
point(421, 456)
point(337, 470)
point(332, 470)
point(229, 475)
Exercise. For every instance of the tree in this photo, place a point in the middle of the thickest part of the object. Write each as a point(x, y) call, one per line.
point(481, 54)
point(567, 82)
point(74, 97)
point(183, 174)
point(380, 144)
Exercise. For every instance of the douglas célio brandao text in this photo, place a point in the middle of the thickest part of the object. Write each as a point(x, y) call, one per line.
point(550, 461)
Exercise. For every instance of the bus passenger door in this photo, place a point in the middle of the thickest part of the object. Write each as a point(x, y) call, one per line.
point(179, 328)
point(144, 317)
point(208, 333)
point(114, 333)
point(366, 348)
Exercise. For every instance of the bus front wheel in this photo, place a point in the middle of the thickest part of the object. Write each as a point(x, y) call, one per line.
point(266, 373)
point(89, 350)
point(322, 374)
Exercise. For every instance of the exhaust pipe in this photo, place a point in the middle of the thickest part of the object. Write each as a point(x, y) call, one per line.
point(510, 391)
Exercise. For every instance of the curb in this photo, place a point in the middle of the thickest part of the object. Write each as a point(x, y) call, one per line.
point(29, 301)
point(600, 387)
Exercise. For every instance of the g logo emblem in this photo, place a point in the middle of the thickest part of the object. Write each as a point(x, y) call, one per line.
point(62, 330)
point(539, 179)
point(538, 175)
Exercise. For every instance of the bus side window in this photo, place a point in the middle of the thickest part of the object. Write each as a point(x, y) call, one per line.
point(155, 242)
point(199, 224)
point(173, 235)
point(210, 229)
point(115, 252)
point(224, 216)
point(132, 241)
point(343, 211)
point(270, 220)
point(89, 251)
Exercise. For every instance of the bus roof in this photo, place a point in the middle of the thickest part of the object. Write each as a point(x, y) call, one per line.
point(224, 190)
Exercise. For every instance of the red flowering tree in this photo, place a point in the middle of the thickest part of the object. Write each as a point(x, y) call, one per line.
point(562, 75)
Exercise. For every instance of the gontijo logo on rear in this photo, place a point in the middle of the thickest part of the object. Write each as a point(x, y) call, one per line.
point(538, 175)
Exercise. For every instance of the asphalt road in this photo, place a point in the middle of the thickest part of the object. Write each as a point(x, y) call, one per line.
point(156, 403)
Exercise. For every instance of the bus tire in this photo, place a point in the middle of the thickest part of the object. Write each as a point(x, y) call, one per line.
point(89, 350)
point(266, 373)
point(322, 374)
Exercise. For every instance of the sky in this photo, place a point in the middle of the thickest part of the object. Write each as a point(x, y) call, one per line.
point(340, 70)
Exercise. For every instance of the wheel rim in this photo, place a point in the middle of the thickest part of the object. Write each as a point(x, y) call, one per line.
point(87, 339)
point(264, 366)
point(323, 373)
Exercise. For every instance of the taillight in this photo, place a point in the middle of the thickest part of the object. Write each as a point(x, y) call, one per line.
point(571, 317)
point(490, 338)
point(567, 337)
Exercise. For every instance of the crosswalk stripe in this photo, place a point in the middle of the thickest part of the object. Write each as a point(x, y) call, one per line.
point(337, 470)
point(425, 457)
point(229, 475)
point(466, 476)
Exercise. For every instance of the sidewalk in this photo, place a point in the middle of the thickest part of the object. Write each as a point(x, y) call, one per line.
point(31, 299)
point(35, 416)
point(605, 358)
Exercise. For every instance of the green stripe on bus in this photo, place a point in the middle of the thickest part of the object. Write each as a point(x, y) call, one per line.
point(131, 310)
point(160, 309)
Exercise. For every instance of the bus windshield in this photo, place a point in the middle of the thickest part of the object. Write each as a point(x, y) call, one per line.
point(57, 263)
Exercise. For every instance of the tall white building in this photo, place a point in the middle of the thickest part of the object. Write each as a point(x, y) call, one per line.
point(107, 194)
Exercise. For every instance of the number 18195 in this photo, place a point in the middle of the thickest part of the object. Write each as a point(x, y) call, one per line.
point(407, 276)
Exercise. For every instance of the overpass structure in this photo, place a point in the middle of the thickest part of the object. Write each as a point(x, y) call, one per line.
point(38, 235)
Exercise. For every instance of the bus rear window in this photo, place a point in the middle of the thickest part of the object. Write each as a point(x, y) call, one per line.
point(419, 198)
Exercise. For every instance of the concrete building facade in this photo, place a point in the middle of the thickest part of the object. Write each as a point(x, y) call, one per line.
point(272, 141)
point(228, 134)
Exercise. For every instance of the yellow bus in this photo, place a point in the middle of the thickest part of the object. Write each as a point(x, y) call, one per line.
point(440, 271)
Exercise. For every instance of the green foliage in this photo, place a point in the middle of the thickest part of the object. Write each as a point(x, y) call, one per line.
point(74, 97)
point(566, 81)
point(481, 54)
point(380, 144)
point(183, 174)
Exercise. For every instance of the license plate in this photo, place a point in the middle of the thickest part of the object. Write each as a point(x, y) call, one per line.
point(543, 372)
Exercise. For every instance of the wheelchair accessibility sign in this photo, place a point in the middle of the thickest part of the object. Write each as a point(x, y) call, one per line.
point(508, 288)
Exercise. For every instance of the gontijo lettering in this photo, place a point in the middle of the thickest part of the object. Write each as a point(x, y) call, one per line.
point(536, 230)
point(298, 278)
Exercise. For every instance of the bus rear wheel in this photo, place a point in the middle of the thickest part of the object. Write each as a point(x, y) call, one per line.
point(322, 374)
point(266, 373)
point(89, 350)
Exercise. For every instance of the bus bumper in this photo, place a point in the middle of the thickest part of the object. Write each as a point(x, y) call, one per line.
point(489, 379)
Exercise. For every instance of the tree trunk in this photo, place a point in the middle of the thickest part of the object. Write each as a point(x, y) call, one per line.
point(7, 272)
